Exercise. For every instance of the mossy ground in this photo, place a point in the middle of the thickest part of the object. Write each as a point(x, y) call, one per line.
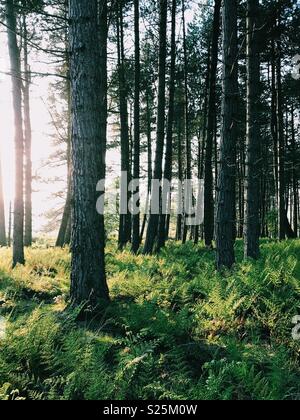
point(176, 329)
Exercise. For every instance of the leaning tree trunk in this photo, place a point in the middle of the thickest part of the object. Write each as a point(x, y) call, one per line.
point(163, 221)
point(225, 220)
point(2, 212)
point(252, 216)
point(63, 234)
point(136, 152)
point(14, 54)
point(88, 279)
point(154, 218)
point(209, 210)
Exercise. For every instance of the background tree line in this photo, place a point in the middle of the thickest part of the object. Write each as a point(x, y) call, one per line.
point(214, 97)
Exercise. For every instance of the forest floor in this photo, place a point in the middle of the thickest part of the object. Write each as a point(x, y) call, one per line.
point(175, 329)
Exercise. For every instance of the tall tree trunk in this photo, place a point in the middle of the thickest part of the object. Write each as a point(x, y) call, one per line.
point(225, 220)
point(64, 234)
point(2, 212)
point(125, 217)
point(14, 54)
point(253, 158)
point(281, 148)
point(209, 210)
point(294, 174)
point(88, 279)
point(9, 225)
point(27, 141)
point(149, 155)
point(188, 153)
point(163, 224)
point(179, 224)
point(154, 218)
point(203, 132)
point(136, 153)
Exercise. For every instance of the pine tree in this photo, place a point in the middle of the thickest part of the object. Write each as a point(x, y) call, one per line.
point(226, 194)
point(88, 278)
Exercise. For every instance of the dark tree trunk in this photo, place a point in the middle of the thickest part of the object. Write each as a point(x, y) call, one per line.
point(149, 154)
point(125, 219)
point(274, 125)
point(14, 53)
point(294, 174)
point(27, 141)
point(188, 153)
point(203, 132)
point(209, 210)
point(225, 220)
point(88, 279)
point(179, 224)
point(163, 229)
point(9, 225)
point(60, 242)
point(2, 212)
point(63, 237)
point(281, 149)
point(253, 159)
point(136, 153)
point(154, 218)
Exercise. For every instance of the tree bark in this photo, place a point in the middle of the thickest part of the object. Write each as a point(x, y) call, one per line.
point(154, 218)
point(163, 224)
point(253, 159)
point(14, 54)
point(225, 220)
point(281, 149)
point(188, 153)
point(294, 174)
point(27, 141)
point(125, 219)
point(209, 210)
point(136, 153)
point(88, 279)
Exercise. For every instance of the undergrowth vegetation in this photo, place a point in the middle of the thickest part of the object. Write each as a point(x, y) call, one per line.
point(175, 328)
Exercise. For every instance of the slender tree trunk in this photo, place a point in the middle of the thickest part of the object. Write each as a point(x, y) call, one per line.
point(14, 53)
point(163, 224)
point(125, 219)
point(149, 153)
point(9, 225)
point(294, 174)
point(209, 210)
point(201, 145)
point(2, 212)
point(64, 233)
point(253, 159)
point(281, 148)
point(188, 153)
point(179, 224)
point(63, 238)
point(136, 154)
point(88, 279)
point(225, 220)
point(154, 218)
point(27, 141)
